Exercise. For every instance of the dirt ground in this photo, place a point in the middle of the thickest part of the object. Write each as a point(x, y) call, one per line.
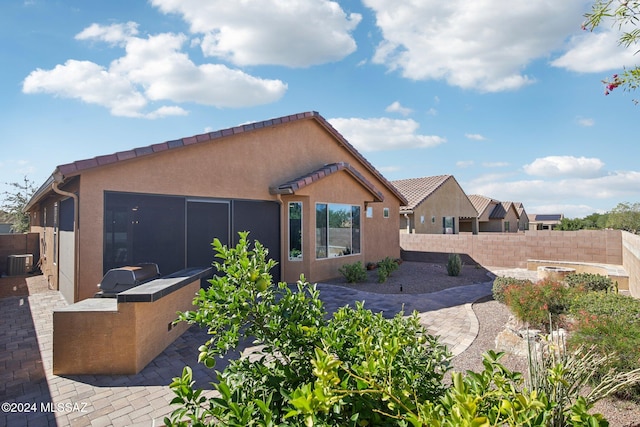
point(418, 278)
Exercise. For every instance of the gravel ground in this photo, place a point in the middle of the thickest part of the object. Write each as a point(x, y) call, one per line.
point(492, 316)
point(417, 278)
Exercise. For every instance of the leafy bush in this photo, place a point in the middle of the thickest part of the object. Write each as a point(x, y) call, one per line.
point(354, 273)
point(538, 303)
point(611, 323)
point(299, 345)
point(590, 282)
point(354, 368)
point(385, 268)
point(501, 283)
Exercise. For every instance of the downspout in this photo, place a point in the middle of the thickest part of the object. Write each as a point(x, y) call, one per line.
point(57, 180)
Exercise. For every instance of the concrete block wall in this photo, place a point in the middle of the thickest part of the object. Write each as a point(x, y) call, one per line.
point(514, 249)
point(18, 244)
point(631, 261)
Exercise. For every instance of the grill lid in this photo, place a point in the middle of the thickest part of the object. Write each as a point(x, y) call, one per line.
point(122, 278)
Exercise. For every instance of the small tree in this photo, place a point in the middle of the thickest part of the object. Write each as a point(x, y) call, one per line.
point(14, 203)
point(624, 14)
point(625, 216)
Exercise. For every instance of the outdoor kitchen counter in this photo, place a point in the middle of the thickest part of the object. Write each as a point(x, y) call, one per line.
point(122, 335)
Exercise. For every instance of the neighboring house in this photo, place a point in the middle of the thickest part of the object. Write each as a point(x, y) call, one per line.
point(435, 205)
point(5, 223)
point(495, 216)
point(294, 182)
point(523, 218)
point(507, 214)
point(545, 221)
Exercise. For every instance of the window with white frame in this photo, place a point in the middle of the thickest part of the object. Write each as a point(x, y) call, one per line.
point(337, 230)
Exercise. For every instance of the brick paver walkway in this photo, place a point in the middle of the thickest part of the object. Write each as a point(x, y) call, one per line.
point(32, 396)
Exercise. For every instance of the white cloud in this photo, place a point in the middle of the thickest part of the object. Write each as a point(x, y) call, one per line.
point(379, 134)
point(586, 122)
point(595, 52)
point(607, 190)
point(395, 107)
point(554, 166)
point(465, 163)
point(275, 32)
point(113, 34)
point(153, 70)
point(483, 45)
point(495, 164)
point(475, 136)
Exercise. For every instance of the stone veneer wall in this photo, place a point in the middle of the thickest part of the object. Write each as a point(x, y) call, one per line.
point(631, 261)
point(514, 249)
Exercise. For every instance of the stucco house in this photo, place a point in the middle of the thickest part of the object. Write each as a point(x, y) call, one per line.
point(494, 215)
point(545, 221)
point(294, 182)
point(523, 217)
point(435, 205)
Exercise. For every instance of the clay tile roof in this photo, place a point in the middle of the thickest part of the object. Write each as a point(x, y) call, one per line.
point(290, 187)
point(481, 202)
point(499, 212)
point(76, 168)
point(416, 190)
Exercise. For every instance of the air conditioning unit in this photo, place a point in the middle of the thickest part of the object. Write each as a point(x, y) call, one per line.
point(19, 264)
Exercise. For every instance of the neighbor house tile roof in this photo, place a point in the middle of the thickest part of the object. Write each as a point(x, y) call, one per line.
point(499, 211)
point(76, 168)
point(481, 203)
point(290, 187)
point(417, 190)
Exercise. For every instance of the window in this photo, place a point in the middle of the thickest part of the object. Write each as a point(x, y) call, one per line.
point(369, 211)
point(295, 231)
point(506, 226)
point(385, 212)
point(448, 225)
point(337, 230)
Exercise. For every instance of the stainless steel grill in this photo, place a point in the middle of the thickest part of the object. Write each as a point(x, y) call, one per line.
point(122, 278)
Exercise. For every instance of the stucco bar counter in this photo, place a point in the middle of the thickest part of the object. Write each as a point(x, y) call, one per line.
point(122, 335)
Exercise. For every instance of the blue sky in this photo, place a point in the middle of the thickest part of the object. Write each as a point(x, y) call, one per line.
point(505, 95)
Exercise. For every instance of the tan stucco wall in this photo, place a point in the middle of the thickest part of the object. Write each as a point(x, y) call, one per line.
point(376, 243)
point(242, 166)
point(120, 341)
point(448, 200)
point(512, 217)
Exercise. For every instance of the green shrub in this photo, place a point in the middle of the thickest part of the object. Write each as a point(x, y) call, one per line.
point(385, 268)
point(299, 344)
point(611, 323)
point(353, 368)
point(563, 376)
point(538, 303)
point(454, 265)
point(590, 282)
point(354, 273)
point(501, 283)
